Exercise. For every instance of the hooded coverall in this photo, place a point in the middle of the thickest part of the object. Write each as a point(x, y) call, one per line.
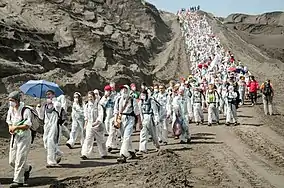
point(64, 130)
point(179, 109)
point(94, 114)
point(212, 100)
point(197, 101)
point(52, 132)
point(77, 124)
point(127, 122)
point(108, 104)
point(162, 127)
point(150, 119)
point(20, 144)
point(231, 98)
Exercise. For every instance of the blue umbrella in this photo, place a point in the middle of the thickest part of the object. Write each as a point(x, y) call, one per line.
point(38, 88)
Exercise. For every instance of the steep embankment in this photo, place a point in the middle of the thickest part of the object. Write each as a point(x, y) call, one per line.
point(265, 31)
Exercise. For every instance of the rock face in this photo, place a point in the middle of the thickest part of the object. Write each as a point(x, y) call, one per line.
point(82, 44)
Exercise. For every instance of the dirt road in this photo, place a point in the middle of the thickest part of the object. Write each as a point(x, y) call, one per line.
point(249, 155)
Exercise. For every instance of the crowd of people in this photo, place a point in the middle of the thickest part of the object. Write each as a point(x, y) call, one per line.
point(218, 84)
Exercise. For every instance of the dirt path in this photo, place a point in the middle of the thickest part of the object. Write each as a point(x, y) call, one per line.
point(249, 155)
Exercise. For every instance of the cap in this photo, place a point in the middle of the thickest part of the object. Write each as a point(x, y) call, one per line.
point(16, 95)
point(107, 88)
point(124, 87)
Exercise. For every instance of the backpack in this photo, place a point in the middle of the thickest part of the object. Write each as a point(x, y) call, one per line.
point(36, 121)
point(267, 90)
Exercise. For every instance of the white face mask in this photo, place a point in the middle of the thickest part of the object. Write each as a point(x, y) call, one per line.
point(210, 90)
point(49, 101)
point(76, 100)
point(12, 104)
point(107, 93)
point(143, 97)
point(142, 87)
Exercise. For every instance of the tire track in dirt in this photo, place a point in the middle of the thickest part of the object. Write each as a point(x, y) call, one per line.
point(242, 164)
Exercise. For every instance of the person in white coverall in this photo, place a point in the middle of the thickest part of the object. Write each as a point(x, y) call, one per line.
point(126, 108)
point(53, 116)
point(78, 121)
point(212, 100)
point(107, 101)
point(198, 99)
point(94, 114)
point(64, 130)
point(162, 127)
point(231, 102)
point(150, 118)
point(20, 140)
point(179, 110)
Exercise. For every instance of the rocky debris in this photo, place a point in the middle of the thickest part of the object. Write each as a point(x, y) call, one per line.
point(164, 169)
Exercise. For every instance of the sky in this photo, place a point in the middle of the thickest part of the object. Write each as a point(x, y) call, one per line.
point(222, 7)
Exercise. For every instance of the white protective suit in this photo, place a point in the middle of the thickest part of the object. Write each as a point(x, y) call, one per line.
point(64, 130)
point(162, 127)
point(150, 119)
point(223, 106)
point(231, 97)
point(212, 99)
point(179, 110)
point(78, 121)
point(128, 122)
point(52, 131)
point(94, 113)
point(20, 144)
point(197, 101)
point(108, 104)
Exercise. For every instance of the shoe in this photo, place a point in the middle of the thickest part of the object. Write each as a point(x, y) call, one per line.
point(176, 137)
point(188, 140)
point(27, 173)
point(109, 149)
point(236, 123)
point(16, 185)
point(160, 141)
point(132, 155)
point(83, 157)
point(228, 124)
point(183, 142)
point(165, 143)
point(121, 159)
point(218, 123)
point(69, 146)
point(197, 123)
point(202, 122)
point(140, 153)
point(58, 160)
point(209, 124)
point(52, 166)
point(105, 157)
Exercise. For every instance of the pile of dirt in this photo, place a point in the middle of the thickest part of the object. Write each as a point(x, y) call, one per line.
point(164, 169)
point(265, 31)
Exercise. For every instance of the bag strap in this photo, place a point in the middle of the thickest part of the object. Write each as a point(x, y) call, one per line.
point(125, 105)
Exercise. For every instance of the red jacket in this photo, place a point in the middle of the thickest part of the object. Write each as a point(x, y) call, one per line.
point(253, 86)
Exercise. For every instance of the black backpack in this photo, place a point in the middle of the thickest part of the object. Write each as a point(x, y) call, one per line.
point(267, 90)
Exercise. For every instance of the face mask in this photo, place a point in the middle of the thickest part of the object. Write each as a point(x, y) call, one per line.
point(143, 97)
point(76, 99)
point(49, 101)
point(210, 90)
point(156, 90)
point(142, 87)
point(12, 104)
point(107, 93)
